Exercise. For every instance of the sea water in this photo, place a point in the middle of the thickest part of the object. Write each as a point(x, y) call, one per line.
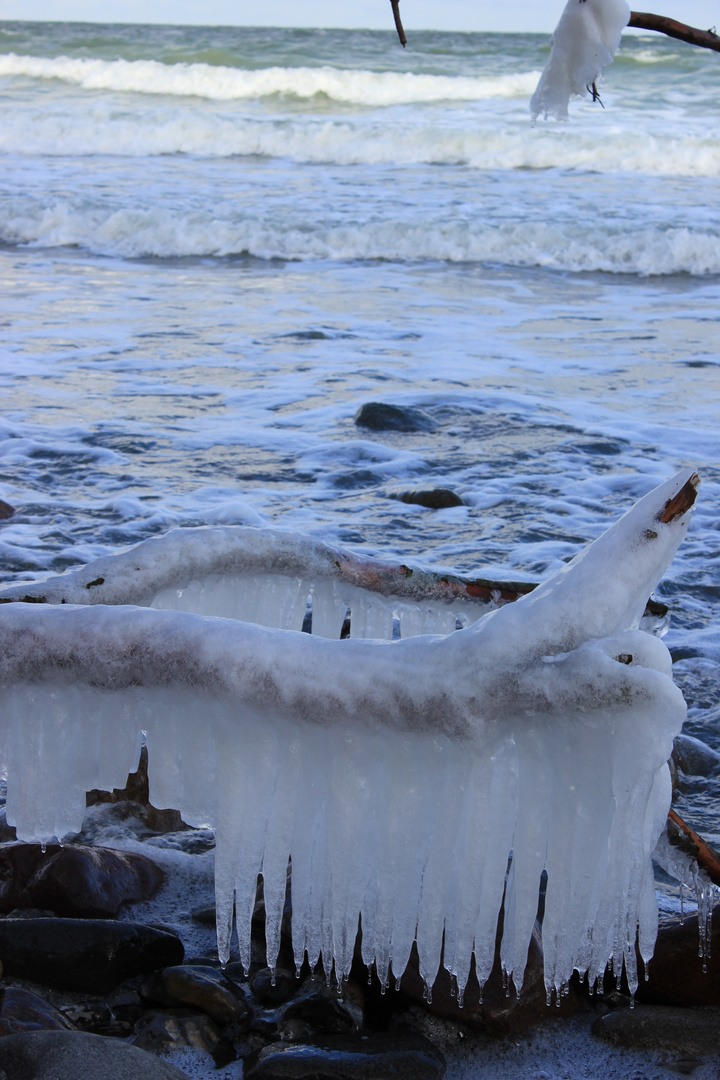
point(216, 244)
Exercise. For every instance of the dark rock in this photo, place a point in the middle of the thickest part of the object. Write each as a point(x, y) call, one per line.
point(69, 1055)
point(658, 1027)
point(97, 1017)
point(273, 987)
point(317, 1007)
point(378, 416)
point(379, 1057)
point(137, 792)
point(73, 880)
point(433, 498)
point(499, 1012)
point(675, 973)
point(84, 954)
point(693, 757)
point(21, 1010)
point(203, 988)
point(158, 1032)
point(6, 510)
point(7, 832)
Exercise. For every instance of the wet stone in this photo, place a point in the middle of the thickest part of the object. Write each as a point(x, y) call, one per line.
point(21, 1010)
point(203, 988)
point(380, 1057)
point(377, 416)
point(69, 1055)
point(158, 1032)
point(88, 955)
point(74, 880)
point(432, 499)
point(692, 1032)
point(6, 510)
point(272, 989)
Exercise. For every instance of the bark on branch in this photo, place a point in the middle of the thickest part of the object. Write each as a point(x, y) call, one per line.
point(704, 39)
point(398, 22)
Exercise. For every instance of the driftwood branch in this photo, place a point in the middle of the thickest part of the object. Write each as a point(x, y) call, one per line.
point(398, 22)
point(706, 856)
point(704, 39)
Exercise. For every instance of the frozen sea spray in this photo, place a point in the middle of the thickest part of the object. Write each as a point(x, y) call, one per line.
point(399, 777)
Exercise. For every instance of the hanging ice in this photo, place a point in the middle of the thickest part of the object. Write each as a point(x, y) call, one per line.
point(397, 776)
point(584, 43)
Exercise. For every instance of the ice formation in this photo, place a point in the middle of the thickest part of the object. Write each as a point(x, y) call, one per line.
point(400, 777)
point(584, 43)
point(273, 578)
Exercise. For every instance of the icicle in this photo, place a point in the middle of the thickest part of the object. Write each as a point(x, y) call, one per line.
point(398, 776)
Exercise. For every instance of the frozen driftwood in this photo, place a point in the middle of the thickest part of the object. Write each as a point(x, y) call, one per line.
point(399, 776)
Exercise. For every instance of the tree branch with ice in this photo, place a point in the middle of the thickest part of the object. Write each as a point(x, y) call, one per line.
point(400, 778)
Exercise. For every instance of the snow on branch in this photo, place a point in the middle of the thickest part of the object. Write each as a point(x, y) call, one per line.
point(397, 777)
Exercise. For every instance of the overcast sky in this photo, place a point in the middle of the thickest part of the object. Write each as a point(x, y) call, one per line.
point(526, 15)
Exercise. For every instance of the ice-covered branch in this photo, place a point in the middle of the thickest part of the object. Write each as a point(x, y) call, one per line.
point(704, 39)
point(398, 777)
point(584, 43)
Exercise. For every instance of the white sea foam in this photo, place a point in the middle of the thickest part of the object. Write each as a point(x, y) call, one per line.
point(351, 86)
point(625, 248)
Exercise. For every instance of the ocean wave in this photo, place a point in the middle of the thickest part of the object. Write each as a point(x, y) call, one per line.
point(570, 245)
point(478, 142)
point(350, 87)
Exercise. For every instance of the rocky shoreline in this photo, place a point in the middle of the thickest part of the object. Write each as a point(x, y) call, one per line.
point(106, 973)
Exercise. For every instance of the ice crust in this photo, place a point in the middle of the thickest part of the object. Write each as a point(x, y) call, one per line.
point(584, 43)
point(398, 777)
point(268, 577)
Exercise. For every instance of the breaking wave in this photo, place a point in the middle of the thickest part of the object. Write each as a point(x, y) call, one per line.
point(216, 83)
point(163, 233)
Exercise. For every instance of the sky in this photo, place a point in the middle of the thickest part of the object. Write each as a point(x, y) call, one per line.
point(526, 15)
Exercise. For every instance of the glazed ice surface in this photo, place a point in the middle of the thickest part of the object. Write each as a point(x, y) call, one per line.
point(397, 776)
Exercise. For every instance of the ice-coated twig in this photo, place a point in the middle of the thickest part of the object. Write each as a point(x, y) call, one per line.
point(398, 776)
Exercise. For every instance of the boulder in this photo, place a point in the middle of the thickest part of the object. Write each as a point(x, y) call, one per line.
point(203, 988)
point(74, 880)
point(656, 1027)
point(84, 954)
point(69, 1055)
point(432, 498)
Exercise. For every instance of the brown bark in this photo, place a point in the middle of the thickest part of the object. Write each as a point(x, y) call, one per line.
point(704, 39)
point(707, 858)
point(398, 22)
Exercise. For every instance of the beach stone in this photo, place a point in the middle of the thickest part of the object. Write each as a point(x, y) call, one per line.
point(273, 988)
point(7, 832)
point(317, 1007)
point(202, 988)
point(74, 880)
point(159, 1032)
point(657, 1027)
point(675, 973)
point(376, 1057)
point(6, 510)
point(21, 1010)
point(97, 1017)
point(70, 1055)
point(377, 416)
point(88, 955)
point(432, 499)
point(693, 757)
